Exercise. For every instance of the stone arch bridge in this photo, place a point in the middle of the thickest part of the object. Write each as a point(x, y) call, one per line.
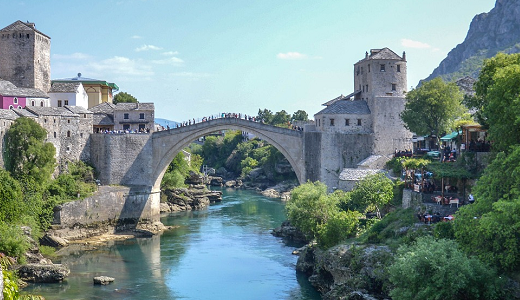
point(140, 160)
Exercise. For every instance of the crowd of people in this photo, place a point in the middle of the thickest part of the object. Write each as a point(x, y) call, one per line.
point(126, 131)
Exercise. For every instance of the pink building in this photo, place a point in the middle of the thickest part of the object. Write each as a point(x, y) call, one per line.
point(12, 97)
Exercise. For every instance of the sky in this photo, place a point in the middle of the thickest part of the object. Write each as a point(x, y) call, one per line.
point(196, 58)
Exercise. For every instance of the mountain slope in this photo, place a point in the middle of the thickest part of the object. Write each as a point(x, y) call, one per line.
point(489, 33)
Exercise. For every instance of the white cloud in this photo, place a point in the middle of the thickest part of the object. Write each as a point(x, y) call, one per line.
point(170, 53)
point(414, 44)
point(292, 55)
point(73, 56)
point(136, 37)
point(168, 61)
point(119, 65)
point(147, 47)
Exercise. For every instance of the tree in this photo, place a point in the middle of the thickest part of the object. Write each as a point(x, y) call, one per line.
point(281, 118)
point(437, 269)
point(433, 108)
point(265, 116)
point(10, 198)
point(370, 194)
point(28, 157)
point(497, 99)
point(300, 115)
point(490, 227)
point(123, 97)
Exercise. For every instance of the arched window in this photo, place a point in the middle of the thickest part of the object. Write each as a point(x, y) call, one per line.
point(41, 103)
point(15, 100)
point(10, 107)
point(19, 107)
point(32, 103)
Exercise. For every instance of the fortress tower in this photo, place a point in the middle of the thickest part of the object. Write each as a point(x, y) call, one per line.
point(25, 56)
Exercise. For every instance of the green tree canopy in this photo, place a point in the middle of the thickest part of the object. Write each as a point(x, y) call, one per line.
point(433, 108)
point(281, 118)
point(436, 269)
point(497, 99)
point(28, 157)
point(265, 116)
point(370, 194)
point(10, 198)
point(300, 115)
point(123, 97)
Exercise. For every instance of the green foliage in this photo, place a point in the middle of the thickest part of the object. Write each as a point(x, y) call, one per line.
point(318, 215)
point(10, 198)
point(340, 225)
point(489, 228)
point(396, 165)
point(281, 118)
point(497, 100)
point(370, 194)
point(27, 155)
point(300, 115)
point(265, 116)
point(247, 165)
point(444, 230)
point(13, 242)
point(123, 97)
point(437, 269)
point(433, 107)
point(388, 229)
point(10, 291)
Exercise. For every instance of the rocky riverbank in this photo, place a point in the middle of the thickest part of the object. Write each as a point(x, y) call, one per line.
point(195, 197)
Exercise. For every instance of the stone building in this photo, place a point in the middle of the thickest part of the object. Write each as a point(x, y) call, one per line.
point(134, 117)
point(25, 56)
point(364, 128)
point(98, 91)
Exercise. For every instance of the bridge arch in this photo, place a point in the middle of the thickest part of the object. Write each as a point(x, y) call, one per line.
point(166, 144)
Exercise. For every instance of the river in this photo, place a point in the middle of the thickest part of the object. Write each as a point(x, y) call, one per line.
point(223, 252)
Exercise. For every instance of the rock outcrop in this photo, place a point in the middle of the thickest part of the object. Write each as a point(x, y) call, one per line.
point(488, 34)
point(289, 232)
point(103, 280)
point(194, 198)
point(347, 271)
point(43, 272)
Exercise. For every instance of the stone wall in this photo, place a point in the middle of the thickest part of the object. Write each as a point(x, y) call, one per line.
point(389, 130)
point(339, 151)
point(312, 152)
point(123, 159)
point(110, 205)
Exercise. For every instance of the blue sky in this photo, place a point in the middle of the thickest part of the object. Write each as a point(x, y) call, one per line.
point(197, 58)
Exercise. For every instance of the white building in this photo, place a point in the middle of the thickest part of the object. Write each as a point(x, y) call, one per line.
point(68, 93)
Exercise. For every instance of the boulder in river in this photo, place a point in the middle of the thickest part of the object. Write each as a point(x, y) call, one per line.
point(103, 280)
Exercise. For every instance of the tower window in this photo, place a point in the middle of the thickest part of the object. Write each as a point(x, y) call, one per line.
point(125, 116)
point(141, 116)
point(54, 134)
point(41, 103)
point(347, 122)
point(398, 68)
point(394, 88)
point(368, 68)
point(367, 88)
point(331, 122)
point(27, 35)
point(68, 121)
point(68, 133)
point(32, 103)
point(382, 67)
point(358, 122)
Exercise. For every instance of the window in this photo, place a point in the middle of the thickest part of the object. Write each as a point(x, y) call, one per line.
point(11, 107)
point(398, 68)
point(15, 100)
point(59, 103)
point(358, 122)
point(41, 103)
point(367, 88)
point(54, 134)
point(126, 126)
point(141, 116)
point(331, 122)
point(125, 116)
point(66, 102)
point(68, 121)
point(81, 134)
point(347, 122)
point(368, 68)
point(68, 133)
point(32, 103)
point(382, 67)
point(394, 87)
point(142, 128)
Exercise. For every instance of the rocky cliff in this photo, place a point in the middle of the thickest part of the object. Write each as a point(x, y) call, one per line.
point(488, 34)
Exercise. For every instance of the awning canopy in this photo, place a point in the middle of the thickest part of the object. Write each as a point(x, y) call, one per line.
point(451, 136)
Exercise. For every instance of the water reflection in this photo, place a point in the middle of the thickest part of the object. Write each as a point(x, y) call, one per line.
point(224, 252)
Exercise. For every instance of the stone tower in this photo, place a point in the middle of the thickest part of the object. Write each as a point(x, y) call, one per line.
point(25, 56)
point(380, 80)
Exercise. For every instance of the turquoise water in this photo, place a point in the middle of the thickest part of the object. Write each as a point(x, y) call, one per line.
point(223, 252)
